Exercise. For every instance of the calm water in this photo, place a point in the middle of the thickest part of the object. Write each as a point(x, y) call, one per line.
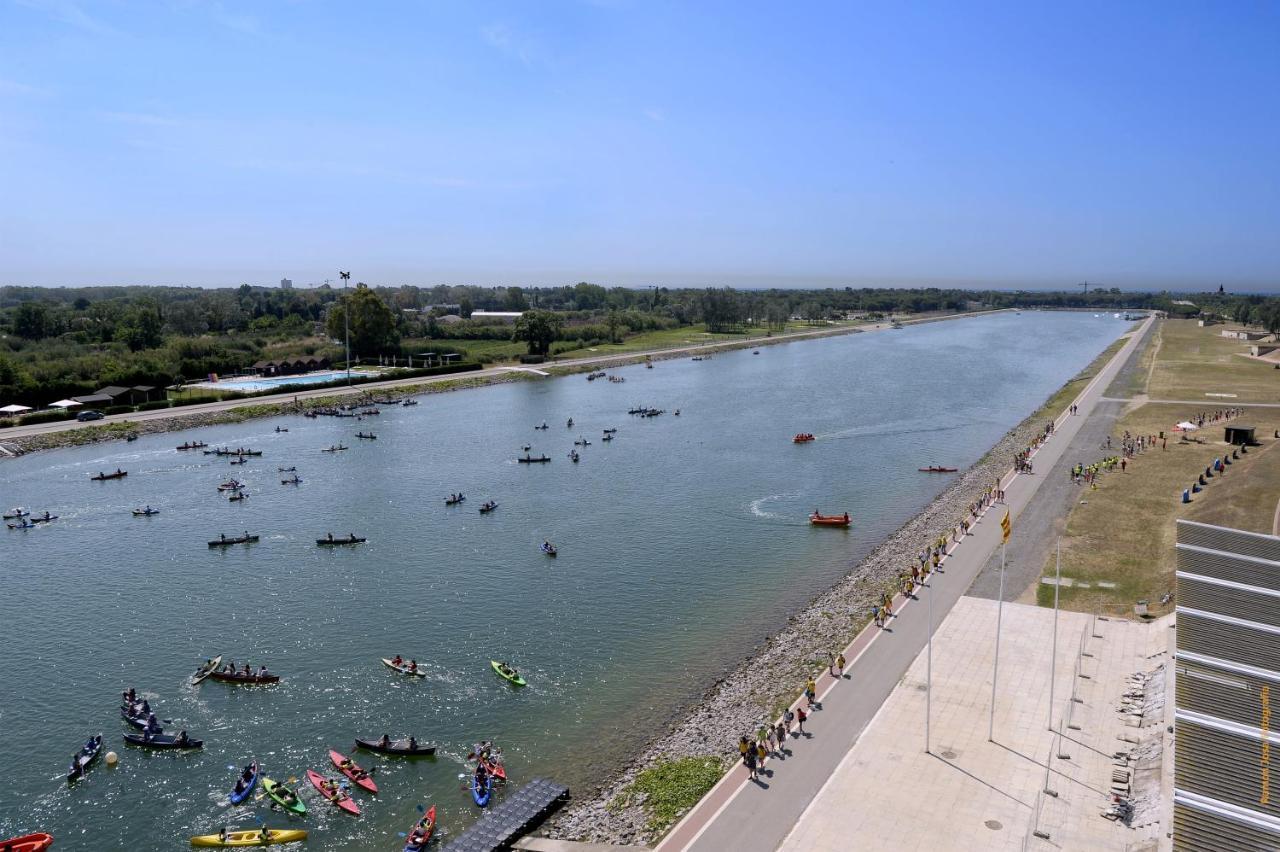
point(682, 543)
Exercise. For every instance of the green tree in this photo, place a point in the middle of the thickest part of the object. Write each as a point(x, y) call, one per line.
point(373, 325)
point(465, 307)
point(515, 300)
point(31, 320)
point(141, 326)
point(539, 329)
point(614, 321)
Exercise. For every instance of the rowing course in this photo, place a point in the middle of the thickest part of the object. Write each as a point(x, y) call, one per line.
point(665, 572)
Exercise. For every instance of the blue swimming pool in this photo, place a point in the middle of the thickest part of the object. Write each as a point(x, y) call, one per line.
point(262, 383)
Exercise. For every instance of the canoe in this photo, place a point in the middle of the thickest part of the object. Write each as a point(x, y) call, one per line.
point(24, 526)
point(247, 679)
point(369, 437)
point(482, 796)
point(331, 542)
point(428, 825)
point(137, 721)
point(829, 520)
point(548, 549)
point(239, 495)
point(503, 671)
point(251, 837)
point(355, 773)
point(802, 438)
point(400, 748)
point(43, 519)
point(142, 513)
point(16, 513)
point(196, 445)
point(339, 798)
point(531, 460)
point(295, 481)
point(333, 449)
point(287, 469)
point(403, 668)
point(28, 843)
point(937, 469)
point(224, 542)
point(236, 798)
point(206, 670)
point(283, 796)
point(162, 741)
point(453, 501)
point(103, 477)
point(84, 758)
point(484, 510)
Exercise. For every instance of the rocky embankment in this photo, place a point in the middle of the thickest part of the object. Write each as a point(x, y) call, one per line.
point(776, 670)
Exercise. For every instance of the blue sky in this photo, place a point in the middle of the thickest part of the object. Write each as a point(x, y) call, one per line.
point(1010, 144)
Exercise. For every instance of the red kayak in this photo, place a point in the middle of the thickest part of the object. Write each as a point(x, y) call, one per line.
point(28, 843)
point(352, 771)
point(335, 796)
point(420, 836)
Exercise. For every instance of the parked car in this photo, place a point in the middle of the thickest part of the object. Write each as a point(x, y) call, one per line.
point(89, 415)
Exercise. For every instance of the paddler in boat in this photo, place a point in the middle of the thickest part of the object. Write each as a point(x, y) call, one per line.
point(222, 834)
point(385, 742)
point(413, 743)
point(413, 666)
point(262, 671)
point(398, 661)
point(182, 738)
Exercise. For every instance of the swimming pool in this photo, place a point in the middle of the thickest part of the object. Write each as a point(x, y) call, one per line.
point(262, 383)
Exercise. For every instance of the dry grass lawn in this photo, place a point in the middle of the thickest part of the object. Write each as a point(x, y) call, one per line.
point(1194, 361)
point(1123, 531)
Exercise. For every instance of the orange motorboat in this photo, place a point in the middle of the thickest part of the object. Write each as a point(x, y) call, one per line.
point(820, 520)
point(803, 438)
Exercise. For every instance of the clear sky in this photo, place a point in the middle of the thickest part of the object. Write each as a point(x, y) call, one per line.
point(626, 142)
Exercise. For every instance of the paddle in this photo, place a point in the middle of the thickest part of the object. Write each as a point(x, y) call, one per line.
point(422, 810)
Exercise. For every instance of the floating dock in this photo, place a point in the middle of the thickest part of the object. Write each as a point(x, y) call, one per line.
point(516, 815)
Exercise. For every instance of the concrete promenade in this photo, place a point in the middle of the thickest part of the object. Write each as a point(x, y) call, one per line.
point(743, 815)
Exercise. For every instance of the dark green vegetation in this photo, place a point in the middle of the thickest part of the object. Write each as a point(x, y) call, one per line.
point(74, 341)
point(671, 788)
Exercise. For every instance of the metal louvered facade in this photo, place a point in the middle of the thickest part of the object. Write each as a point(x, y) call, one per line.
point(1226, 782)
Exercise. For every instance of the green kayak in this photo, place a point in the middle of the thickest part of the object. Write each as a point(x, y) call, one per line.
point(285, 797)
point(507, 672)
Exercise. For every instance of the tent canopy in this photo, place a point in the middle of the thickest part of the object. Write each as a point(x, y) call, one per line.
point(64, 403)
point(14, 409)
point(1187, 426)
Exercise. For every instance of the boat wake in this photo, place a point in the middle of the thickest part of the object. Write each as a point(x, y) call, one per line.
point(757, 507)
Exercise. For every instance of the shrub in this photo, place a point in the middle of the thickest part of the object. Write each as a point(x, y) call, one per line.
point(118, 409)
point(46, 416)
point(154, 404)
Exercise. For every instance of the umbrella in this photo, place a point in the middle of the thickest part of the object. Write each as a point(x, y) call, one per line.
point(14, 409)
point(1187, 426)
point(63, 403)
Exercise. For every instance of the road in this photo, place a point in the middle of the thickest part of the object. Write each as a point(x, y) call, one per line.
point(743, 815)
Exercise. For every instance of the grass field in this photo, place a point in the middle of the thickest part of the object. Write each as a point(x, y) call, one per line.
point(1194, 361)
point(1123, 532)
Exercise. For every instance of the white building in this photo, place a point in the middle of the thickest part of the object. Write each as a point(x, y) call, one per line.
point(496, 316)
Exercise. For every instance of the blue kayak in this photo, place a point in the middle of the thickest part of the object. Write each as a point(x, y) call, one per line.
point(243, 791)
point(482, 797)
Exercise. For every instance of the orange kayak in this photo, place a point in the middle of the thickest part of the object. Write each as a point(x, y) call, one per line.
point(803, 438)
point(819, 520)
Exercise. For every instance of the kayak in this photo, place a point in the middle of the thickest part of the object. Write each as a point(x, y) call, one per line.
point(338, 798)
point(206, 670)
point(355, 773)
point(480, 796)
point(428, 825)
point(937, 469)
point(492, 767)
point(403, 668)
point(549, 549)
point(241, 677)
point(396, 747)
point(508, 673)
point(251, 837)
point(28, 843)
point(137, 720)
point(238, 797)
point(145, 512)
point(283, 796)
point(163, 741)
point(87, 755)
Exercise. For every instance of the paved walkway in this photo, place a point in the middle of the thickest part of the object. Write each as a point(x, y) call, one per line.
point(743, 815)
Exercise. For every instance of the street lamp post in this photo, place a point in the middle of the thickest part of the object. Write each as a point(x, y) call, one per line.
point(346, 320)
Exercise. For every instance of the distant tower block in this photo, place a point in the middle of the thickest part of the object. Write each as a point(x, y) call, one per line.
point(286, 284)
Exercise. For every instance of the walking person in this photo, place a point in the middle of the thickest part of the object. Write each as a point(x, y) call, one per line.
point(781, 734)
point(840, 665)
point(788, 717)
point(743, 748)
point(810, 691)
point(771, 740)
point(751, 763)
point(761, 754)
point(800, 717)
point(875, 615)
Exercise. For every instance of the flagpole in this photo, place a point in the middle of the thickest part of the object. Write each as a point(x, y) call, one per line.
point(1053, 660)
point(995, 669)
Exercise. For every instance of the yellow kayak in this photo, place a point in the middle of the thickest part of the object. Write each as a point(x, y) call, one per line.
point(251, 837)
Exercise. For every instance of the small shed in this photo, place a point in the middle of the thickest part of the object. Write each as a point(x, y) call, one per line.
point(1240, 435)
point(94, 399)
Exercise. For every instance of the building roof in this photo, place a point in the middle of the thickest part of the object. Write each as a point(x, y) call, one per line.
point(143, 388)
point(499, 314)
point(93, 398)
point(112, 391)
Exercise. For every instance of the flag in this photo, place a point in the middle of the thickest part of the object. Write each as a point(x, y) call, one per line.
point(1006, 526)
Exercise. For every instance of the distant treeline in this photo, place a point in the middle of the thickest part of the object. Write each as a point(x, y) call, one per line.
point(68, 341)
